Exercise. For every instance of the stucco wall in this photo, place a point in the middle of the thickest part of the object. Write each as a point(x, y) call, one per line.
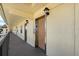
point(77, 29)
point(60, 31)
point(30, 32)
point(21, 35)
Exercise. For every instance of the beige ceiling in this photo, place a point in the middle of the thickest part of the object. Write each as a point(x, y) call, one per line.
point(15, 13)
point(27, 7)
point(18, 12)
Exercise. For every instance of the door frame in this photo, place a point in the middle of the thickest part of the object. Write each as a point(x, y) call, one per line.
point(25, 33)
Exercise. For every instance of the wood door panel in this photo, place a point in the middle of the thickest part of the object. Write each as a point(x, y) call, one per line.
point(41, 32)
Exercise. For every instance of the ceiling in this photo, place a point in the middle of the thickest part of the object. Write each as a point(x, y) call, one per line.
point(18, 12)
point(15, 13)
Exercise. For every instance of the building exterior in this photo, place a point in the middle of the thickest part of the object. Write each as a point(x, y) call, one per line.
point(56, 32)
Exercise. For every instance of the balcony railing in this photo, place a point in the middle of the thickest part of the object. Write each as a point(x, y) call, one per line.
point(4, 45)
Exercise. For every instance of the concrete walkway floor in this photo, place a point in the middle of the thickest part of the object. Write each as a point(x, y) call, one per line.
point(17, 47)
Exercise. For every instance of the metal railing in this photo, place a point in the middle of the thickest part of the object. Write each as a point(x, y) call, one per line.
point(4, 46)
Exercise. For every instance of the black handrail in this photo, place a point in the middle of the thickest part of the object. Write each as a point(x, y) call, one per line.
point(5, 46)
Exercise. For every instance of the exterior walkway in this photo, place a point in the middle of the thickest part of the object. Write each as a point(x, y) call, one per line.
point(17, 47)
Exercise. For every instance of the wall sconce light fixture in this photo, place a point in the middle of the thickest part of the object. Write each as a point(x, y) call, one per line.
point(26, 22)
point(46, 10)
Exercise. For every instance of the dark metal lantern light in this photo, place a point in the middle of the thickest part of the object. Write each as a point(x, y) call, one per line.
point(26, 22)
point(46, 10)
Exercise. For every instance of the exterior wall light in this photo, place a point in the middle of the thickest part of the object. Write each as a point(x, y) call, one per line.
point(26, 22)
point(46, 10)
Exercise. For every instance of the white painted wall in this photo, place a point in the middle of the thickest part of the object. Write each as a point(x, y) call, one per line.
point(30, 32)
point(60, 31)
point(77, 29)
point(19, 34)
